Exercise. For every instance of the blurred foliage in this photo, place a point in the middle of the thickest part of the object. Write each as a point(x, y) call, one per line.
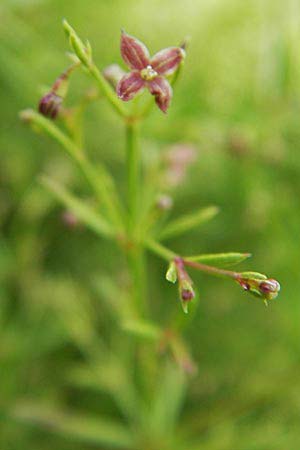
point(63, 357)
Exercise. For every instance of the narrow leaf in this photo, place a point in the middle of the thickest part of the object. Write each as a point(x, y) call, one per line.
point(93, 430)
point(220, 259)
point(254, 275)
point(171, 274)
point(142, 329)
point(83, 212)
point(188, 222)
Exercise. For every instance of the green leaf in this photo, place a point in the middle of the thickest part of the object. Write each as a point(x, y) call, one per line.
point(171, 274)
point(188, 222)
point(142, 328)
point(83, 212)
point(220, 259)
point(253, 275)
point(93, 430)
point(168, 400)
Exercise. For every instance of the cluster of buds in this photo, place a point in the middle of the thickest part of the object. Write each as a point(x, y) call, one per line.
point(255, 283)
point(259, 285)
point(51, 103)
point(177, 272)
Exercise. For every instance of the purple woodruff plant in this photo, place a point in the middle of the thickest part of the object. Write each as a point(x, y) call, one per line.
point(148, 72)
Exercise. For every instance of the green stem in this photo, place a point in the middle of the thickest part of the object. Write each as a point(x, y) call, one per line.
point(133, 173)
point(93, 177)
point(169, 255)
point(136, 254)
point(107, 91)
point(211, 270)
point(160, 250)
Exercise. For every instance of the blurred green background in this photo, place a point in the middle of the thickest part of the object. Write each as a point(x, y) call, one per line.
point(238, 102)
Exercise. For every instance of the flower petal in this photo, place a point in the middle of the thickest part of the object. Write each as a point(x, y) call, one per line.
point(130, 85)
point(134, 52)
point(161, 89)
point(167, 60)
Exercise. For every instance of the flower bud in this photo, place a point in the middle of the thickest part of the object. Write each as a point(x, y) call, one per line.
point(269, 288)
point(83, 52)
point(50, 105)
point(113, 74)
point(259, 285)
point(186, 291)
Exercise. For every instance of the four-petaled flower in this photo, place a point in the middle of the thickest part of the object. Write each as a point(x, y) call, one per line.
point(148, 72)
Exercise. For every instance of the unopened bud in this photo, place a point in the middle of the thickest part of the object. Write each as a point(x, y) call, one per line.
point(83, 52)
point(186, 291)
point(259, 285)
point(50, 105)
point(269, 288)
point(187, 294)
point(113, 74)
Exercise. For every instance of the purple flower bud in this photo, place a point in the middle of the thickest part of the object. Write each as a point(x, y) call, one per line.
point(186, 290)
point(187, 294)
point(259, 285)
point(269, 288)
point(50, 105)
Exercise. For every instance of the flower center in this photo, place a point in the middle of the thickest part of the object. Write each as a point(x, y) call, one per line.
point(148, 73)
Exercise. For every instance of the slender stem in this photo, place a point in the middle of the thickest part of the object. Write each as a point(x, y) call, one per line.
point(169, 255)
point(95, 178)
point(133, 173)
point(211, 270)
point(160, 249)
point(107, 91)
point(136, 256)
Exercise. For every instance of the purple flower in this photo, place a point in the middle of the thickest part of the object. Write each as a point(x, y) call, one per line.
point(148, 72)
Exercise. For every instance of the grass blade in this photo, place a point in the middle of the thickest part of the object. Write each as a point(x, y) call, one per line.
point(93, 430)
point(220, 259)
point(188, 222)
point(87, 215)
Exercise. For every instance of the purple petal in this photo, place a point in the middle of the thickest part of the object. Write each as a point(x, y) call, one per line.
point(134, 52)
point(161, 89)
point(130, 85)
point(167, 60)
